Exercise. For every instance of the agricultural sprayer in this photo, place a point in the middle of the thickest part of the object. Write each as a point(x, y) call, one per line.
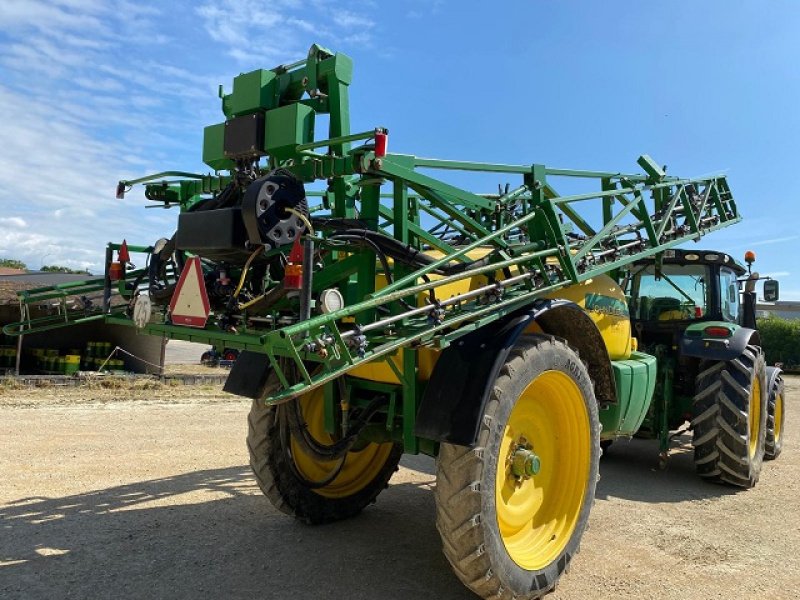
point(507, 334)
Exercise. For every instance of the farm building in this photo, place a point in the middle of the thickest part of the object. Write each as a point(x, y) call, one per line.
point(40, 352)
point(785, 309)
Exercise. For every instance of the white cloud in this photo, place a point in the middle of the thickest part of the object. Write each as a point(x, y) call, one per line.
point(13, 222)
point(790, 295)
point(271, 32)
point(53, 16)
point(65, 96)
point(779, 240)
point(351, 20)
point(87, 98)
point(37, 249)
point(229, 22)
point(420, 9)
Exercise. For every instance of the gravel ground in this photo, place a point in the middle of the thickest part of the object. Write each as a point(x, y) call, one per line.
point(145, 493)
point(179, 352)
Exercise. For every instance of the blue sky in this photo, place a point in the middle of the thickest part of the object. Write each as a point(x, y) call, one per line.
point(93, 91)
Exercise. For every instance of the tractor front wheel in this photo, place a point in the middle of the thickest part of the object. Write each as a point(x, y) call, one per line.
point(512, 510)
point(313, 490)
point(730, 419)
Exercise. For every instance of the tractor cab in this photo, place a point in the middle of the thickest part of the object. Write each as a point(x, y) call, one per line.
point(687, 306)
point(690, 289)
point(684, 286)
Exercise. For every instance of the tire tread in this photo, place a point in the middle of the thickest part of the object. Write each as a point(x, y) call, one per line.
point(721, 407)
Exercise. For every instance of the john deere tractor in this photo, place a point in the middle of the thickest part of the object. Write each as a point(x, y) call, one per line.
point(379, 310)
point(694, 311)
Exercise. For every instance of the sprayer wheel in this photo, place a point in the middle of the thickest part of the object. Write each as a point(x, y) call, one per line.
point(283, 470)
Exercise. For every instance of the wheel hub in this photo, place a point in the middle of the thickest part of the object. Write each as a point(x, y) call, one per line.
point(524, 461)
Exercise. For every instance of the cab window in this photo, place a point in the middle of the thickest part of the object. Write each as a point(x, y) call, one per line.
point(729, 295)
point(679, 294)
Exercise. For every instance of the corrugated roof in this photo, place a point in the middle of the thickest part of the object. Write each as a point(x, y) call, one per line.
point(10, 283)
point(42, 278)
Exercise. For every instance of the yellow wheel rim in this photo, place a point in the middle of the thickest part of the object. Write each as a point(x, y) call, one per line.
point(778, 417)
point(537, 515)
point(360, 467)
point(755, 416)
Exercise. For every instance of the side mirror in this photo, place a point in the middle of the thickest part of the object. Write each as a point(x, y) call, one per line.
point(771, 289)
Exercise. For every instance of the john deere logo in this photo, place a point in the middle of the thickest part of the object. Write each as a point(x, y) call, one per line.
point(606, 305)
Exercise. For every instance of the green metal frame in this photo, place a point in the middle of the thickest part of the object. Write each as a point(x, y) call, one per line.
point(537, 240)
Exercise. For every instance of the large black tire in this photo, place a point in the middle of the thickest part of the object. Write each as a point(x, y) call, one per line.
point(776, 413)
point(467, 514)
point(271, 454)
point(604, 446)
point(730, 419)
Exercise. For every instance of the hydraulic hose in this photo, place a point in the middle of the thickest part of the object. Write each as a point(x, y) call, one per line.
point(399, 251)
point(284, 428)
point(157, 271)
point(326, 452)
point(290, 422)
point(378, 252)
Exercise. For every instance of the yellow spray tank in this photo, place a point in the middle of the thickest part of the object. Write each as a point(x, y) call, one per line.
point(600, 297)
point(604, 301)
point(634, 372)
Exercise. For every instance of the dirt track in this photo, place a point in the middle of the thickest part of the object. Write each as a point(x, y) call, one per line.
point(152, 498)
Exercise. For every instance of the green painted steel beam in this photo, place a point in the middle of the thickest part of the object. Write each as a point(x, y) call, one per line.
point(210, 336)
point(538, 241)
point(49, 323)
point(337, 141)
point(393, 167)
point(162, 175)
point(458, 165)
point(421, 233)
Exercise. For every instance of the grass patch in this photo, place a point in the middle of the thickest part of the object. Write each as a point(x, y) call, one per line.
point(115, 382)
point(8, 384)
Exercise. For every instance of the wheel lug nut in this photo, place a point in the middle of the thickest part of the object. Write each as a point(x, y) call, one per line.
point(532, 465)
point(525, 463)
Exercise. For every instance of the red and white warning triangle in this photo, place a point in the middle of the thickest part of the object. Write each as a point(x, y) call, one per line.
point(189, 305)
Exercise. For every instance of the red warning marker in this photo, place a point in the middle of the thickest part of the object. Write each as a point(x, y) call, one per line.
point(293, 273)
point(124, 255)
point(189, 305)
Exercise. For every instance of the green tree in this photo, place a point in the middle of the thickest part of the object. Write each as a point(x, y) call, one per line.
point(780, 339)
point(11, 263)
point(60, 269)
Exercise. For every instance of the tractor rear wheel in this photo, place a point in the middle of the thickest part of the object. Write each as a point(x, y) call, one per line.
point(775, 416)
point(512, 510)
point(303, 486)
point(730, 419)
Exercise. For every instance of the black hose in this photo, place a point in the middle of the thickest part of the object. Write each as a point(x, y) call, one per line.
point(159, 288)
point(283, 428)
point(227, 197)
point(378, 252)
point(326, 452)
point(290, 420)
point(399, 251)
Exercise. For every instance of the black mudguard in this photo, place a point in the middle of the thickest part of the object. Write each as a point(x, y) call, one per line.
point(462, 380)
point(720, 349)
point(249, 376)
point(772, 374)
